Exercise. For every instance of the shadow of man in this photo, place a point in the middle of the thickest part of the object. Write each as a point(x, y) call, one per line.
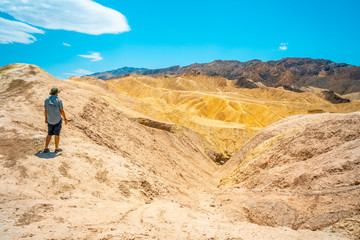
point(47, 155)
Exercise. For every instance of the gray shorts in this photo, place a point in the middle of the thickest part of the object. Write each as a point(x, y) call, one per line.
point(54, 129)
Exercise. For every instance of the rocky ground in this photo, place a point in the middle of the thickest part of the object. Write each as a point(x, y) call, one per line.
point(120, 179)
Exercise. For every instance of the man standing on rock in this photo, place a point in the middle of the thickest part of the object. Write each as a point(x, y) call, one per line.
point(53, 111)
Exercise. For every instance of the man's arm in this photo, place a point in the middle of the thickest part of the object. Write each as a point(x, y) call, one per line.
point(46, 116)
point(63, 114)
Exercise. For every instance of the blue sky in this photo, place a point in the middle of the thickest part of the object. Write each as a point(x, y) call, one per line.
point(75, 37)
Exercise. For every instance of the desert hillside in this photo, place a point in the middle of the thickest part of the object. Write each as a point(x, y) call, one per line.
point(309, 168)
point(139, 160)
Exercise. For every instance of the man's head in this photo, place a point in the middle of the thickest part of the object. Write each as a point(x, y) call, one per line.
point(54, 91)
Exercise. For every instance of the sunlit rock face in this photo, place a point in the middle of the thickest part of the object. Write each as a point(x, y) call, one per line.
point(301, 172)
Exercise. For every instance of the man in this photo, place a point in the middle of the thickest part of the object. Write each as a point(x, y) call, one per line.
point(53, 111)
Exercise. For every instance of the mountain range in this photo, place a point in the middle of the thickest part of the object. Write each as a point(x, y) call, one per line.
point(341, 78)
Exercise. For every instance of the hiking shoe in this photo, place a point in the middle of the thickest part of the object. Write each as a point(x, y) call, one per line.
point(58, 150)
point(46, 150)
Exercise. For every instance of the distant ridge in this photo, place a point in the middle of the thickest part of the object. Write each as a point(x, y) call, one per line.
point(116, 73)
point(341, 78)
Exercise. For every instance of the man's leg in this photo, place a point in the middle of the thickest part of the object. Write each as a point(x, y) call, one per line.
point(57, 140)
point(57, 130)
point(48, 139)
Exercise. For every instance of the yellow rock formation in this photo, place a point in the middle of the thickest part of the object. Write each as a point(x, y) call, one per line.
point(223, 114)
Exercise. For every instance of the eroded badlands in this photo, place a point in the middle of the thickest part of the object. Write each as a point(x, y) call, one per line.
point(141, 160)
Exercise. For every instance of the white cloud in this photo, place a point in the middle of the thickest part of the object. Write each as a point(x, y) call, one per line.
point(14, 31)
point(85, 16)
point(83, 71)
point(79, 72)
point(66, 44)
point(95, 56)
point(283, 46)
